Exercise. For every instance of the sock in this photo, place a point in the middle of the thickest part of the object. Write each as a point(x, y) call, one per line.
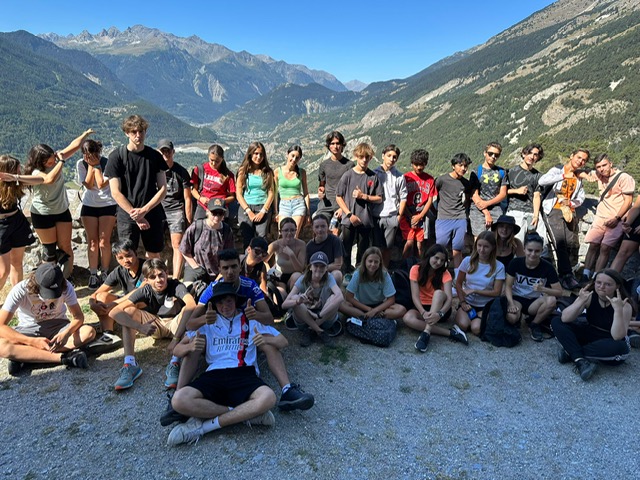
point(130, 359)
point(210, 425)
point(586, 272)
point(286, 387)
point(93, 271)
point(175, 359)
point(110, 332)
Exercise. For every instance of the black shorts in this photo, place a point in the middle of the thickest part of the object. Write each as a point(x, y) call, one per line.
point(109, 211)
point(15, 232)
point(228, 386)
point(447, 314)
point(49, 221)
point(152, 238)
point(634, 237)
point(525, 302)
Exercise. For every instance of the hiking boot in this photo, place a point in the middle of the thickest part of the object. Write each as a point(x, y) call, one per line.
point(170, 416)
point(75, 359)
point(306, 338)
point(14, 368)
point(536, 332)
point(423, 342)
point(172, 372)
point(457, 335)
point(106, 343)
point(327, 340)
point(128, 374)
point(569, 282)
point(267, 419)
point(94, 283)
point(563, 356)
point(288, 320)
point(585, 368)
point(295, 399)
point(189, 432)
point(335, 329)
point(634, 338)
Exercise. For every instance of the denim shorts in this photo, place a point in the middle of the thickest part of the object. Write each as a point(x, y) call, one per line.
point(294, 207)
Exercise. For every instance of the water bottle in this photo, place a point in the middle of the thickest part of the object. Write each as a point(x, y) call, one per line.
point(334, 223)
point(472, 313)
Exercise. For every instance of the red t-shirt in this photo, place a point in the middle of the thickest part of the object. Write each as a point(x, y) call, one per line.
point(213, 186)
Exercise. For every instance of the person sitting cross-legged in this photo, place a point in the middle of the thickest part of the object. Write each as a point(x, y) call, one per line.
point(230, 391)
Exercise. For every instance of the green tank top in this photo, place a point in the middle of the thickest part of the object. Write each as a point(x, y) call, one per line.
point(289, 188)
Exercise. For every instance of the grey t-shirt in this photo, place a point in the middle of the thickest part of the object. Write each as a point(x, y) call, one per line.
point(453, 195)
point(177, 180)
point(330, 172)
point(369, 183)
point(519, 177)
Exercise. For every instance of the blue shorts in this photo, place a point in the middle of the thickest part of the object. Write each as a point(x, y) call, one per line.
point(294, 207)
point(451, 231)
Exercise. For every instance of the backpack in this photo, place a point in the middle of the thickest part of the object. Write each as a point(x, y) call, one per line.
point(402, 284)
point(201, 178)
point(377, 331)
point(495, 328)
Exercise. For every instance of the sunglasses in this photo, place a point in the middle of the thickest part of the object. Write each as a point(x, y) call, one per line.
point(494, 154)
point(259, 252)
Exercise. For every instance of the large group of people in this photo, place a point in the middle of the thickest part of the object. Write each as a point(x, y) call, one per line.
point(217, 303)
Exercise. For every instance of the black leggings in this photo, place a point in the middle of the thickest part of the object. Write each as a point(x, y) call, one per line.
point(584, 341)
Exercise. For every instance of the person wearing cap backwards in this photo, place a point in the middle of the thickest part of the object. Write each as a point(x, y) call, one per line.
point(315, 299)
point(138, 185)
point(44, 334)
point(230, 391)
point(202, 241)
point(292, 398)
point(252, 263)
point(177, 204)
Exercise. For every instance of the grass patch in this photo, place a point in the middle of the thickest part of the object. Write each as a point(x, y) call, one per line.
point(406, 389)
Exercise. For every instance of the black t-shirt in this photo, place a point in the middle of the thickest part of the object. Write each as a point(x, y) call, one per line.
point(526, 278)
point(253, 272)
point(332, 247)
point(137, 173)
point(120, 278)
point(519, 177)
point(163, 304)
point(177, 180)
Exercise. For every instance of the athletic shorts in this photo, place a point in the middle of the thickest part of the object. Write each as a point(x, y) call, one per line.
point(384, 231)
point(601, 235)
point(478, 221)
point(15, 232)
point(229, 387)
point(47, 329)
point(108, 211)
point(525, 302)
point(176, 220)
point(293, 207)
point(451, 230)
point(410, 233)
point(152, 238)
point(303, 326)
point(43, 222)
point(447, 314)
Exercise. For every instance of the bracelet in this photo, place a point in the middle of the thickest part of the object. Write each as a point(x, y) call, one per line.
point(264, 211)
point(440, 313)
point(247, 209)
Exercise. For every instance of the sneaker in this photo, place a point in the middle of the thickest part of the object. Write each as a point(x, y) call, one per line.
point(295, 399)
point(94, 283)
point(267, 419)
point(102, 277)
point(335, 329)
point(327, 340)
point(189, 432)
point(128, 374)
point(106, 343)
point(634, 338)
point(536, 332)
point(170, 416)
point(457, 335)
point(563, 356)
point(547, 332)
point(14, 368)
point(569, 282)
point(585, 368)
point(172, 371)
point(423, 342)
point(288, 320)
point(75, 359)
point(306, 338)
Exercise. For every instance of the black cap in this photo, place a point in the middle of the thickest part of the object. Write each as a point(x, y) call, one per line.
point(51, 281)
point(165, 143)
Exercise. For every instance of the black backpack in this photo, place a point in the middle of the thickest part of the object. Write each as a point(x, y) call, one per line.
point(495, 328)
point(402, 284)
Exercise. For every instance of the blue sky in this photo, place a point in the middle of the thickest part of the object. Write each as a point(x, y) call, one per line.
point(366, 40)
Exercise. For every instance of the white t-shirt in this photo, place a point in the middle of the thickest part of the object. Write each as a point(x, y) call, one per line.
point(478, 280)
point(33, 310)
point(94, 196)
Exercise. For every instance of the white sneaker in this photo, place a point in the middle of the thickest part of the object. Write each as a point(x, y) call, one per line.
point(267, 419)
point(189, 432)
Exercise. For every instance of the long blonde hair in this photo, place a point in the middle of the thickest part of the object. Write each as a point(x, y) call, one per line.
point(487, 236)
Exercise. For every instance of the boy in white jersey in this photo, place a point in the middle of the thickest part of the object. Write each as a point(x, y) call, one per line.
point(230, 391)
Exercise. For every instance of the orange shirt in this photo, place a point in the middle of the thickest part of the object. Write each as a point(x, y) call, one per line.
point(426, 291)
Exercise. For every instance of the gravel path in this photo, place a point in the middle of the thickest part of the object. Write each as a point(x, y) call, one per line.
point(454, 412)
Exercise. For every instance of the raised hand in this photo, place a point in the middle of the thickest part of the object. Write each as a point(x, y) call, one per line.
point(258, 339)
point(250, 311)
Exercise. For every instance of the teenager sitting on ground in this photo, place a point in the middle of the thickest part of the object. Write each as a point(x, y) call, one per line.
point(480, 279)
point(230, 391)
point(370, 292)
point(604, 335)
point(43, 334)
point(252, 265)
point(432, 295)
point(327, 243)
point(126, 277)
point(315, 299)
point(159, 309)
point(531, 287)
point(507, 245)
point(290, 256)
